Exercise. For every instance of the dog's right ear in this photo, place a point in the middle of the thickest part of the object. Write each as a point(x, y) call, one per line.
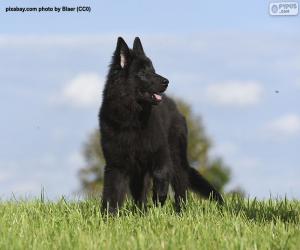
point(122, 54)
point(138, 47)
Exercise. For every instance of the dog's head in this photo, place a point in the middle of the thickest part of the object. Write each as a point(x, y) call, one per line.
point(139, 72)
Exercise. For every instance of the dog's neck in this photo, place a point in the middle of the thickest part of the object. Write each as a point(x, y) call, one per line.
point(144, 114)
point(128, 115)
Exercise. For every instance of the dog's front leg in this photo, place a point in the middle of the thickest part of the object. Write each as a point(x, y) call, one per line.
point(139, 185)
point(114, 190)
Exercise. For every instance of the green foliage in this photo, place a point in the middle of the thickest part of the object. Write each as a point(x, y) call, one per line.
point(240, 224)
point(199, 144)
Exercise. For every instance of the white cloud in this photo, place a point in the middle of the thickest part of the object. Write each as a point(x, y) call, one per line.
point(286, 125)
point(84, 90)
point(186, 78)
point(234, 93)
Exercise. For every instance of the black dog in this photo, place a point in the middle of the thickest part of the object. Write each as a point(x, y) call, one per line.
point(143, 135)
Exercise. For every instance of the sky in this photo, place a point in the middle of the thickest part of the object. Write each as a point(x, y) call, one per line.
point(235, 64)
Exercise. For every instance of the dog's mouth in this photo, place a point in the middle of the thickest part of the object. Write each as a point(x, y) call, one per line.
point(157, 97)
point(154, 98)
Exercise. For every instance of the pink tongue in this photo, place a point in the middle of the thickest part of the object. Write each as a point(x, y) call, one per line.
point(157, 97)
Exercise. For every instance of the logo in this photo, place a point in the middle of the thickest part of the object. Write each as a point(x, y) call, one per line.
point(283, 9)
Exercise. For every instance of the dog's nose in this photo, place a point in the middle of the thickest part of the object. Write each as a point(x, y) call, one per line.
point(166, 82)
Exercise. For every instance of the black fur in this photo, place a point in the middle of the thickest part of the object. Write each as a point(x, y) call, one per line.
point(143, 135)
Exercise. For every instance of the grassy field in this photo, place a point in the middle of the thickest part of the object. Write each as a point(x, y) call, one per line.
point(240, 224)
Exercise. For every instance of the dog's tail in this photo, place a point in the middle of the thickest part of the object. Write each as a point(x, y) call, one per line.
point(201, 186)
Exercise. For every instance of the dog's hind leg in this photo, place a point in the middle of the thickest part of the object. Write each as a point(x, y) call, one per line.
point(160, 185)
point(114, 190)
point(191, 178)
point(180, 184)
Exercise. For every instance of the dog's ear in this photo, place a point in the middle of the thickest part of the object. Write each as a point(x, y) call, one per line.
point(122, 54)
point(138, 47)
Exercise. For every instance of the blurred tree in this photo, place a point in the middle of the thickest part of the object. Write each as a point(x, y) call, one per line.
point(237, 192)
point(91, 175)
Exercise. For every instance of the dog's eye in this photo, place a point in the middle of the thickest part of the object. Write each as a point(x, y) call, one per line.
point(141, 76)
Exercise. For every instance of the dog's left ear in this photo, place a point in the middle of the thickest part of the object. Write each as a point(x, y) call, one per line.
point(122, 54)
point(138, 47)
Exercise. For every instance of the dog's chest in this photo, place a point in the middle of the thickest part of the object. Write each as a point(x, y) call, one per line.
point(142, 140)
point(140, 146)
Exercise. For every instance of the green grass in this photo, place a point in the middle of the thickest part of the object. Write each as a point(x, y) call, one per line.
point(240, 224)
